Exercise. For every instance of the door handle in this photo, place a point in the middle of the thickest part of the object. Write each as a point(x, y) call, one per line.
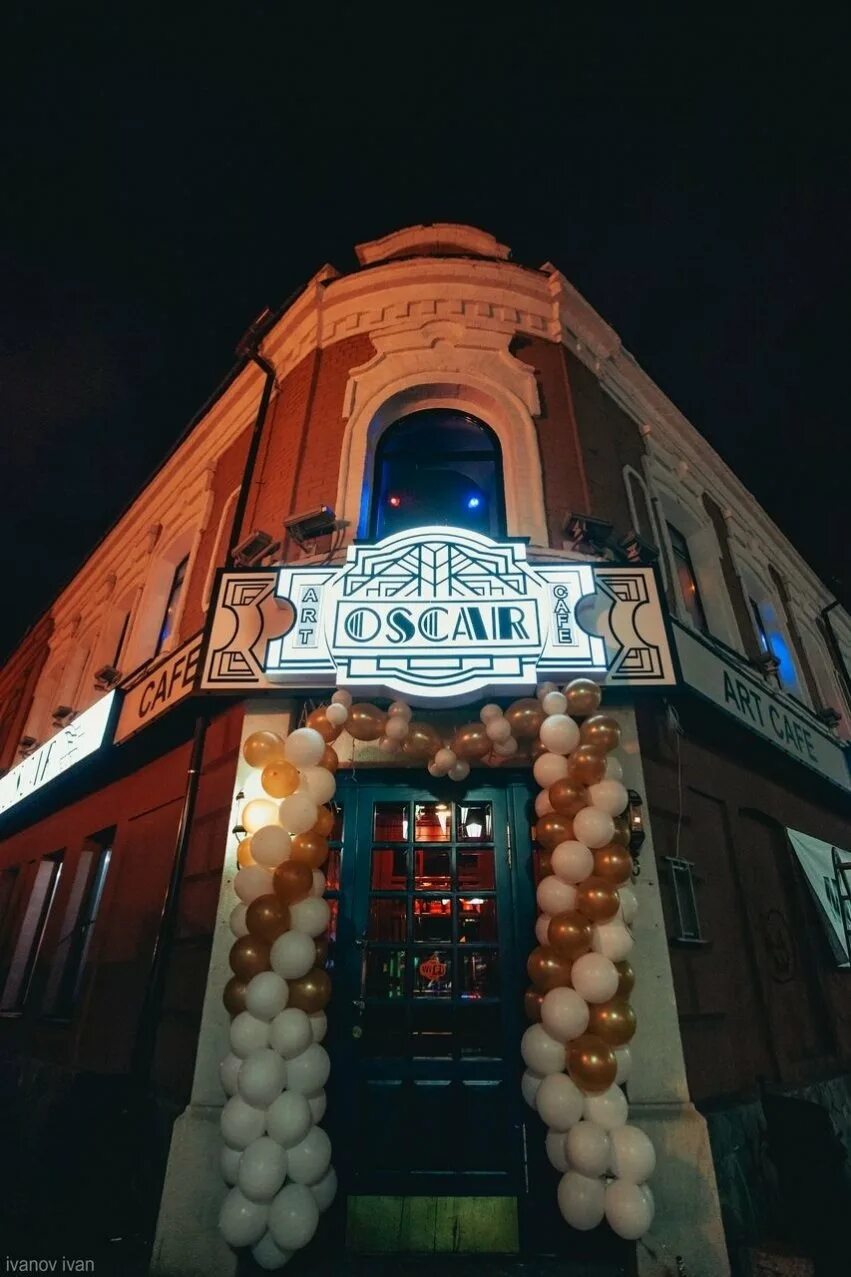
point(359, 1003)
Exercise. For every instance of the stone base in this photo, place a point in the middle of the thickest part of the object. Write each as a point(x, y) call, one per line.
point(688, 1223)
point(188, 1242)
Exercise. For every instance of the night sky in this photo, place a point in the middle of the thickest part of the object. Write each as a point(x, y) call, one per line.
point(164, 179)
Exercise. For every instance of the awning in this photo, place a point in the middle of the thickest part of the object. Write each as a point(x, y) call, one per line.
point(816, 859)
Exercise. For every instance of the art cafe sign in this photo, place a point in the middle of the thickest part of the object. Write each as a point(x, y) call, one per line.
point(438, 615)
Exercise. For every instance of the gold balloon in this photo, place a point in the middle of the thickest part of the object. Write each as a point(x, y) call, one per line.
point(597, 899)
point(532, 1000)
point(600, 731)
point(614, 863)
point(244, 857)
point(261, 748)
point(312, 992)
point(567, 797)
point(365, 721)
point(547, 969)
point(248, 957)
point(258, 812)
point(583, 697)
point(324, 822)
point(626, 982)
point(309, 849)
point(613, 1021)
point(544, 862)
point(321, 950)
point(536, 748)
point(471, 741)
point(329, 760)
point(622, 832)
point(591, 1064)
point(422, 740)
point(569, 934)
point(266, 918)
point(292, 881)
point(234, 995)
point(318, 720)
point(552, 829)
point(525, 717)
point(280, 779)
point(586, 765)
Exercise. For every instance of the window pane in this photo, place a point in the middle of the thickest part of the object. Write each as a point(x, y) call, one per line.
point(432, 870)
point(432, 919)
point(431, 1030)
point(385, 973)
point(474, 823)
point(479, 973)
point(475, 870)
point(687, 579)
point(390, 822)
point(477, 919)
point(479, 1030)
point(172, 603)
point(686, 903)
point(332, 870)
point(389, 869)
point(336, 834)
point(69, 932)
point(30, 934)
point(387, 919)
point(385, 1030)
point(433, 974)
point(432, 822)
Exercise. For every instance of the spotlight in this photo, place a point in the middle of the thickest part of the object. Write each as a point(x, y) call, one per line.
point(395, 502)
point(473, 503)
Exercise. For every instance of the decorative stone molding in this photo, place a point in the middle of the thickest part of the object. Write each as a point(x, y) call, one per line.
point(431, 238)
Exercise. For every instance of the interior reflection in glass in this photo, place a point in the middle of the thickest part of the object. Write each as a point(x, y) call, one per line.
point(475, 870)
point(385, 973)
point(387, 918)
point(479, 973)
point(476, 918)
point(432, 870)
point(432, 822)
point(433, 919)
point(389, 869)
point(474, 822)
point(391, 822)
point(433, 974)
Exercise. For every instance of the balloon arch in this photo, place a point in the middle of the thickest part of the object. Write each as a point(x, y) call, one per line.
point(276, 1156)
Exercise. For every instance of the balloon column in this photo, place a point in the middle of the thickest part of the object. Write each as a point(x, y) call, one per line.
point(576, 1050)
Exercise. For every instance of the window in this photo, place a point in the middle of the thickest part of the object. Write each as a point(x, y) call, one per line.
point(772, 639)
point(172, 604)
point(119, 646)
point(30, 933)
point(687, 579)
point(81, 909)
point(438, 466)
point(761, 631)
point(685, 902)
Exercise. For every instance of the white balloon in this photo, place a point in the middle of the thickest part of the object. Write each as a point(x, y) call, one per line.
point(588, 1148)
point(594, 977)
point(647, 1193)
point(320, 883)
point(262, 1077)
point(543, 806)
point(310, 916)
point(554, 896)
point(623, 1055)
point(248, 1034)
point(337, 714)
point(310, 1158)
point(505, 748)
point(544, 689)
point(288, 1119)
point(614, 770)
point(542, 927)
point(326, 1190)
point(270, 846)
point(628, 1210)
point(609, 796)
point(540, 1052)
point(593, 827)
point(556, 1153)
point(445, 759)
point(262, 1170)
point(612, 939)
point(564, 1014)
point(318, 1025)
point(548, 768)
point(319, 783)
point(252, 882)
point(266, 995)
point(559, 733)
point(237, 922)
point(529, 1084)
point(609, 1109)
point(629, 904)
point(293, 1217)
point(554, 703)
point(299, 812)
point(490, 712)
point(581, 1200)
point(290, 1033)
point(559, 1102)
point(268, 1255)
point(242, 1222)
point(257, 813)
point(292, 955)
point(318, 1104)
point(497, 729)
point(459, 770)
point(633, 1157)
point(433, 770)
point(241, 1123)
point(396, 728)
point(400, 709)
point(342, 697)
point(304, 747)
point(308, 1072)
point(228, 1072)
point(572, 861)
point(229, 1160)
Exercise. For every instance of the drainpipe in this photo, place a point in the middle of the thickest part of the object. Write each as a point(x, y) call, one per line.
point(249, 349)
point(835, 649)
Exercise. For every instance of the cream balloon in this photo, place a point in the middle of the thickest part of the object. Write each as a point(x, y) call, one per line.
point(241, 1221)
point(612, 939)
point(396, 729)
point(257, 813)
point(320, 883)
point(252, 882)
point(554, 703)
point(593, 827)
point(237, 922)
point(241, 1123)
point(560, 734)
point(588, 1147)
point(266, 995)
point(559, 1102)
point(623, 1055)
point(248, 1034)
point(564, 1014)
point(293, 954)
point(337, 714)
point(326, 1190)
point(607, 795)
point(555, 896)
point(319, 783)
point(628, 1210)
point(308, 1160)
point(629, 904)
point(229, 1160)
point(389, 746)
point(342, 697)
point(594, 977)
point(505, 748)
point(310, 916)
point(318, 1104)
point(288, 1119)
point(544, 689)
point(262, 1078)
point(498, 729)
point(262, 1170)
point(608, 1109)
point(293, 1217)
point(309, 1071)
point(556, 1152)
point(229, 1073)
point(614, 768)
point(304, 747)
point(542, 928)
point(400, 709)
point(540, 1052)
point(299, 812)
point(581, 1200)
point(548, 768)
point(270, 846)
point(633, 1157)
point(572, 861)
point(318, 1025)
point(460, 770)
point(529, 1083)
point(289, 1033)
point(490, 712)
point(268, 1255)
point(543, 806)
point(445, 759)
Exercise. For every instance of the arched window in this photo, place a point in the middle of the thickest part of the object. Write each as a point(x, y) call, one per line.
point(438, 466)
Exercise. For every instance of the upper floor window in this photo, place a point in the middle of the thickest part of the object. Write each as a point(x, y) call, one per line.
point(438, 466)
point(172, 604)
point(771, 636)
point(687, 579)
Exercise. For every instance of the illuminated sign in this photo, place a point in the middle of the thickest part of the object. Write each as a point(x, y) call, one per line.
point(161, 687)
point(816, 857)
point(438, 615)
point(74, 743)
point(433, 969)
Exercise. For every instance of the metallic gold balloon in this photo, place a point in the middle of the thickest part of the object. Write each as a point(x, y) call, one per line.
point(532, 1000)
point(318, 720)
point(626, 983)
point(312, 992)
point(622, 832)
point(365, 721)
point(614, 863)
point(586, 765)
point(280, 779)
point(600, 731)
point(422, 740)
point(292, 881)
point(597, 899)
point(591, 1064)
point(261, 748)
point(234, 995)
point(324, 822)
point(613, 1021)
point(471, 741)
point(547, 969)
point(544, 862)
point(536, 748)
point(267, 918)
point(244, 857)
point(568, 797)
point(248, 957)
point(525, 717)
point(330, 760)
point(583, 697)
point(309, 849)
point(552, 829)
point(569, 934)
point(321, 950)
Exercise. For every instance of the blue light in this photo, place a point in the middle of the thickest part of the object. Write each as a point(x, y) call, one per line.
point(473, 503)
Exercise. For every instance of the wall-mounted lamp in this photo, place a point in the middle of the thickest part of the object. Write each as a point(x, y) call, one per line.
point(829, 716)
point(634, 549)
point(315, 523)
point(586, 533)
point(636, 822)
point(768, 663)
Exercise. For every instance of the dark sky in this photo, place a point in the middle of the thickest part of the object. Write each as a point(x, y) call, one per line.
point(164, 178)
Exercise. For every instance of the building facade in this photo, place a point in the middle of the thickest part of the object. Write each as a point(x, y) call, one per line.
point(438, 383)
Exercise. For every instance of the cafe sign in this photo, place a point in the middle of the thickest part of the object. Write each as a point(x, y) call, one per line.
point(63, 751)
point(160, 687)
point(437, 615)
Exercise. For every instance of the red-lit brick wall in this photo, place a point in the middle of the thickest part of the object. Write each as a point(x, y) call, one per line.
point(18, 679)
